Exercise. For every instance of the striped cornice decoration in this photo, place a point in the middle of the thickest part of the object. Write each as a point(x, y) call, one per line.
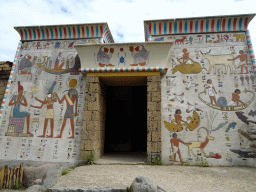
point(132, 69)
point(223, 23)
point(76, 31)
point(251, 52)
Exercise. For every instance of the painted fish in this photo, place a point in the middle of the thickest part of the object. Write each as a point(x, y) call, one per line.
point(231, 125)
point(243, 117)
point(220, 126)
point(252, 113)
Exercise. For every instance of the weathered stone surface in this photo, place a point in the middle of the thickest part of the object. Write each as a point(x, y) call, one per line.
point(154, 116)
point(156, 96)
point(156, 136)
point(94, 87)
point(93, 106)
point(149, 136)
point(89, 189)
point(151, 106)
point(52, 176)
point(38, 182)
point(151, 86)
point(49, 173)
point(34, 188)
point(144, 184)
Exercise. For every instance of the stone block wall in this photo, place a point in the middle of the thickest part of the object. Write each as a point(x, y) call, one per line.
point(153, 117)
point(93, 131)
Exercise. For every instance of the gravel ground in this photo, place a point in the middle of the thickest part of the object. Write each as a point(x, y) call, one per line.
point(170, 178)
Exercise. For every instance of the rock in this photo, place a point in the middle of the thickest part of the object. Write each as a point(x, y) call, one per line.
point(89, 189)
point(37, 182)
point(34, 188)
point(48, 174)
point(144, 184)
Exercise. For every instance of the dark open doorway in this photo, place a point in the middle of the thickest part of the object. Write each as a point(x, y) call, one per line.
point(126, 119)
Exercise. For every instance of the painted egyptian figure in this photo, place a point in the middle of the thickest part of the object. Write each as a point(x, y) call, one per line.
point(17, 101)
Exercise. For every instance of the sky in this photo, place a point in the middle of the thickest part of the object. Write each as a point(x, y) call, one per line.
point(124, 17)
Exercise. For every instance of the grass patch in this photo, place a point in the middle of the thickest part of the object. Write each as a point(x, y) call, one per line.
point(90, 159)
point(66, 171)
point(19, 185)
point(157, 161)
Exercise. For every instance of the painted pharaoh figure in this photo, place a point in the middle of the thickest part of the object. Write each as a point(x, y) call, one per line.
point(71, 98)
point(17, 101)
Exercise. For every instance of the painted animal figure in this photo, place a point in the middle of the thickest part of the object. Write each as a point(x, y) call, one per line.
point(226, 60)
point(199, 144)
point(239, 36)
point(252, 113)
point(188, 68)
point(179, 41)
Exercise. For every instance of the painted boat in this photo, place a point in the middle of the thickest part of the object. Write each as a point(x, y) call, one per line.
point(229, 108)
point(56, 72)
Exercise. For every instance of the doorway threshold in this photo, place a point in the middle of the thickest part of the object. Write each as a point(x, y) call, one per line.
point(122, 159)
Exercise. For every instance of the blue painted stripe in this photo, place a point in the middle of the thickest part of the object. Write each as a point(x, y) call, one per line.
point(2, 107)
point(97, 31)
point(196, 26)
point(87, 31)
point(107, 35)
point(253, 61)
point(106, 69)
point(78, 32)
point(165, 28)
point(8, 87)
point(240, 23)
point(127, 69)
point(5, 97)
point(229, 24)
point(218, 25)
point(251, 51)
point(12, 69)
point(175, 26)
point(42, 30)
point(34, 33)
point(249, 42)
point(154, 28)
point(207, 26)
point(105, 31)
point(247, 32)
point(186, 26)
point(69, 32)
point(51, 31)
point(60, 33)
point(26, 35)
point(95, 69)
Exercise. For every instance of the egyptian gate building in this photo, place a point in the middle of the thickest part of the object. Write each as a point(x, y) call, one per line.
point(187, 93)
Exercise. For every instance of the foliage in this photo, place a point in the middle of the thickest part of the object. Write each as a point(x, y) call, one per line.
point(90, 158)
point(204, 163)
point(157, 161)
point(66, 171)
point(19, 185)
point(186, 163)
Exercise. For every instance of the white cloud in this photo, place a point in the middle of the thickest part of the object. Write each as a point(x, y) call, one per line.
point(124, 17)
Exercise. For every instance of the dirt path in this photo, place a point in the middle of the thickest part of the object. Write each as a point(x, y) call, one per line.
point(170, 178)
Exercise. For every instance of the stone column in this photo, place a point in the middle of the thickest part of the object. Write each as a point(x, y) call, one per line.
point(93, 131)
point(153, 117)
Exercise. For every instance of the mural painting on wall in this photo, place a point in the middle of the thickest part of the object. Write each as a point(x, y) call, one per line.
point(210, 85)
point(138, 54)
point(44, 103)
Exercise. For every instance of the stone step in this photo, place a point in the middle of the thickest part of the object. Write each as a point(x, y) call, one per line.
point(89, 189)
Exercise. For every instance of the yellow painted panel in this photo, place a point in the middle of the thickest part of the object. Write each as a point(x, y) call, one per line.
point(108, 74)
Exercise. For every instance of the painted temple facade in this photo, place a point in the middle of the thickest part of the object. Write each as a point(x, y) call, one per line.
point(200, 79)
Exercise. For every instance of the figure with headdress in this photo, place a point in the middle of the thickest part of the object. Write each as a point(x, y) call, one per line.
point(48, 101)
point(71, 98)
point(17, 101)
point(25, 64)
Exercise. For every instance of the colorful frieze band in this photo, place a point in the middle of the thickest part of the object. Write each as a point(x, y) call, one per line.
point(197, 25)
point(10, 79)
point(123, 69)
point(66, 32)
point(251, 52)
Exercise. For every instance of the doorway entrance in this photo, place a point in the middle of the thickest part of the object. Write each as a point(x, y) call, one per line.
point(126, 114)
point(126, 119)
